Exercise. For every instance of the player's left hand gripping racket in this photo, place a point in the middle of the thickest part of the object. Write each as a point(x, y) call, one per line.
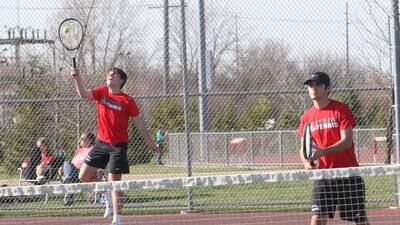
point(307, 143)
point(71, 33)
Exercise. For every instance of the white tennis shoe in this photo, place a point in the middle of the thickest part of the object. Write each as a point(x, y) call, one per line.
point(109, 211)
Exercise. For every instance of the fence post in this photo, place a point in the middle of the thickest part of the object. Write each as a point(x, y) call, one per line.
point(251, 148)
point(280, 149)
point(207, 152)
point(396, 80)
point(357, 145)
point(226, 148)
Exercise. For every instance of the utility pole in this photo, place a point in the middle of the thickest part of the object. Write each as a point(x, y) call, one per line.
point(237, 44)
point(166, 80)
point(347, 39)
point(166, 47)
point(28, 36)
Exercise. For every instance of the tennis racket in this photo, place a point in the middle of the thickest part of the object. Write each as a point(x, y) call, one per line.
point(307, 143)
point(71, 34)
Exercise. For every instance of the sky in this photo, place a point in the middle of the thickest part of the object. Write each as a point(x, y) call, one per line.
point(306, 26)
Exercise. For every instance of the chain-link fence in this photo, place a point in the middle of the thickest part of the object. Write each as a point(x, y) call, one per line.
point(244, 64)
point(266, 148)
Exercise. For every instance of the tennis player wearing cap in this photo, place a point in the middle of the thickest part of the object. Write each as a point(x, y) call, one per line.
point(332, 124)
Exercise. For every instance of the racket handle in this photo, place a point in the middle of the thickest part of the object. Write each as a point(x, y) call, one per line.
point(74, 62)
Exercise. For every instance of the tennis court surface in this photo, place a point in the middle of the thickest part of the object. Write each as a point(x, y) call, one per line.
point(388, 216)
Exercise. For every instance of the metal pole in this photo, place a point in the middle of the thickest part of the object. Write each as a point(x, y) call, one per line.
point(347, 38)
point(396, 73)
point(186, 103)
point(396, 85)
point(78, 124)
point(203, 99)
point(202, 79)
point(166, 47)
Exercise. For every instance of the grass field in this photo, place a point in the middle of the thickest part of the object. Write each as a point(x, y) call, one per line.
point(281, 197)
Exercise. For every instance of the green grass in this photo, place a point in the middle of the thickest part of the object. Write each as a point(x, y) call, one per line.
point(152, 169)
point(165, 169)
point(286, 196)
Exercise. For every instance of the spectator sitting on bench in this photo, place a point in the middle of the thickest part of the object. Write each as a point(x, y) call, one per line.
point(41, 165)
point(33, 165)
point(71, 168)
point(43, 170)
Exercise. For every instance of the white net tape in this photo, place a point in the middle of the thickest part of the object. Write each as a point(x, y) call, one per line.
point(202, 181)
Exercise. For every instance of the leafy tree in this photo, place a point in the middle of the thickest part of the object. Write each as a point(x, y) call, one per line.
point(167, 115)
point(226, 121)
point(374, 115)
point(138, 150)
point(288, 119)
point(351, 98)
point(256, 115)
point(33, 119)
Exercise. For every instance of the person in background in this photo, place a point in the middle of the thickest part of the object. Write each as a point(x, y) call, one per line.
point(160, 137)
point(44, 169)
point(37, 165)
point(33, 160)
point(71, 168)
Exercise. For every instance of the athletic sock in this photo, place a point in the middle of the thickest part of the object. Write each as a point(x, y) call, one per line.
point(117, 219)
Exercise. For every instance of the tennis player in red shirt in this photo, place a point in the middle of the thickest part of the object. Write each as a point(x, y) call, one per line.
point(332, 124)
point(114, 108)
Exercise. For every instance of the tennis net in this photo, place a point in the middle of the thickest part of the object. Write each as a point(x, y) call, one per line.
point(277, 197)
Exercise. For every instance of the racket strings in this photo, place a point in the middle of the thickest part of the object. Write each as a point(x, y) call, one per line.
point(71, 34)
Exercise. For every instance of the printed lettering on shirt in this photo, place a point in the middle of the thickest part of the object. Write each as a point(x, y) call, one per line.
point(326, 123)
point(111, 104)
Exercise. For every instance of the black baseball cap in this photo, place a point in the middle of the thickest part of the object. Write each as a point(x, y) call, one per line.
point(319, 77)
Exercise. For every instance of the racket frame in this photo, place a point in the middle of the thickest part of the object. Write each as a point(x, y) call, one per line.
point(307, 143)
point(71, 51)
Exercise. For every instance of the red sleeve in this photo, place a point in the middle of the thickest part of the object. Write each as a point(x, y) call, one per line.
point(98, 93)
point(346, 118)
point(133, 109)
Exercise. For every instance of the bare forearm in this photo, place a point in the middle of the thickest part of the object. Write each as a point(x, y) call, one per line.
point(139, 124)
point(80, 88)
point(338, 147)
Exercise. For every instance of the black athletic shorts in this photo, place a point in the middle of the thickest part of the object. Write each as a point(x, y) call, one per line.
point(348, 194)
point(115, 156)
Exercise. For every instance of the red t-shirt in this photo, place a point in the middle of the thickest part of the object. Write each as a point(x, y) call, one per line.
point(47, 158)
point(326, 124)
point(79, 156)
point(113, 112)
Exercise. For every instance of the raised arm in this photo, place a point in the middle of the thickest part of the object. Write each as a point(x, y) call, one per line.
point(80, 88)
